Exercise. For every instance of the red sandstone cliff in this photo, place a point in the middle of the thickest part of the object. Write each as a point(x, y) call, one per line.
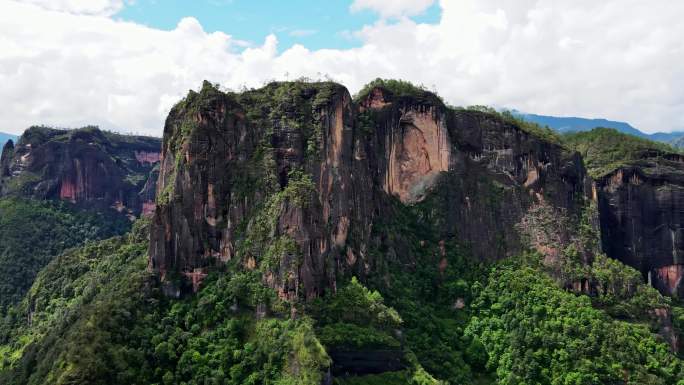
point(85, 166)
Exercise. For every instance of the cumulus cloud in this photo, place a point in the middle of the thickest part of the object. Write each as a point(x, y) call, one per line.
point(395, 8)
point(618, 59)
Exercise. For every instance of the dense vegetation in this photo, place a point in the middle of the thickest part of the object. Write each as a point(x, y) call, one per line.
point(606, 149)
point(535, 332)
point(40, 134)
point(32, 233)
point(97, 315)
point(399, 89)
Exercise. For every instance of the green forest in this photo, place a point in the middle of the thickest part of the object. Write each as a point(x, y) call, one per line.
point(33, 232)
point(95, 315)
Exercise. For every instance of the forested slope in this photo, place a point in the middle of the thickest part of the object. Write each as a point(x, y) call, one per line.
point(302, 236)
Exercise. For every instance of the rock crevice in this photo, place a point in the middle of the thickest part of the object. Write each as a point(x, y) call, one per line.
point(293, 178)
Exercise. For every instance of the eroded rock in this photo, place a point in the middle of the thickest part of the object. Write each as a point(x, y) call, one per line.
point(640, 210)
point(292, 179)
point(84, 166)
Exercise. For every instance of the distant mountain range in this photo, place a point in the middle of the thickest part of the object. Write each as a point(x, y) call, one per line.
point(5, 137)
point(574, 124)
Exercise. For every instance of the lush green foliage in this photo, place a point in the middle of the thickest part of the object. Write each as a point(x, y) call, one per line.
point(536, 333)
point(606, 149)
point(429, 278)
point(96, 316)
point(214, 337)
point(32, 233)
point(678, 324)
point(356, 317)
point(36, 135)
point(619, 289)
point(400, 88)
point(93, 316)
point(72, 324)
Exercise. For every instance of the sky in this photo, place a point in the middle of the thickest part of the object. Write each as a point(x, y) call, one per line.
point(122, 64)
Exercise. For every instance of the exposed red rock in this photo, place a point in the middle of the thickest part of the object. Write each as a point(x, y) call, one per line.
point(669, 278)
point(216, 177)
point(148, 208)
point(67, 191)
point(419, 156)
point(147, 157)
point(84, 166)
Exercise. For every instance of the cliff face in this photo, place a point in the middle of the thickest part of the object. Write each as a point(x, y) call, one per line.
point(293, 180)
point(85, 166)
point(641, 210)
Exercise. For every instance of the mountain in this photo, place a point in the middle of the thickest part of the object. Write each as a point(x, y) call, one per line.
point(85, 166)
point(5, 137)
point(573, 124)
point(328, 169)
point(62, 188)
point(639, 186)
point(305, 236)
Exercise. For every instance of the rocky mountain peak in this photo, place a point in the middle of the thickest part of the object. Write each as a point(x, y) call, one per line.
point(293, 179)
point(85, 166)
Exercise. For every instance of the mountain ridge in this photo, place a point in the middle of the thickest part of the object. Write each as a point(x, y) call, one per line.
point(578, 124)
point(85, 166)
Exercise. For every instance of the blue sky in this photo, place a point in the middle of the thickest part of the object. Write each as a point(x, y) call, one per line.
point(314, 24)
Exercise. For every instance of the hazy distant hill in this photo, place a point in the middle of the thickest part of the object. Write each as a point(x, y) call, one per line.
point(5, 137)
point(574, 124)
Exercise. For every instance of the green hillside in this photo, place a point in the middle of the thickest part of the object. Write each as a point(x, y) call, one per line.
point(605, 149)
point(32, 233)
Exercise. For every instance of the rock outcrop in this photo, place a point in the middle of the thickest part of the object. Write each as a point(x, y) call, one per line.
point(85, 166)
point(293, 179)
point(641, 207)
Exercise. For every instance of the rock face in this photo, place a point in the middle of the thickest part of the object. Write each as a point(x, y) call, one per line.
point(85, 166)
point(293, 179)
point(641, 210)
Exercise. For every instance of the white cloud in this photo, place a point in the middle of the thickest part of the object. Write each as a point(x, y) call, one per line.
point(85, 7)
point(618, 59)
point(392, 8)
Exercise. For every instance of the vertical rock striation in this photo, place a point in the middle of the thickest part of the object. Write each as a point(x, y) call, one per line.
point(85, 166)
point(292, 179)
point(641, 208)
